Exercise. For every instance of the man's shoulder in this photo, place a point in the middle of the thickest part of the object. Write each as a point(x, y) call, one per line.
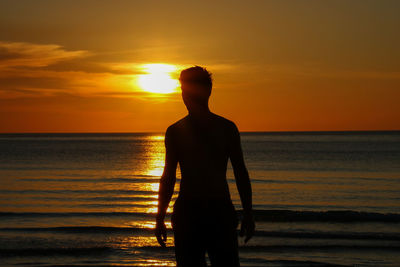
point(176, 125)
point(182, 123)
point(228, 124)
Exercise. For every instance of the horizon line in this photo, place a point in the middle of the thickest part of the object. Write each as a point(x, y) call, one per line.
point(152, 132)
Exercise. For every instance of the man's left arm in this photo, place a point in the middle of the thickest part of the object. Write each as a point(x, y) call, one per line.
point(243, 184)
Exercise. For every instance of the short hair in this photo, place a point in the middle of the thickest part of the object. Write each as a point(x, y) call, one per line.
point(196, 75)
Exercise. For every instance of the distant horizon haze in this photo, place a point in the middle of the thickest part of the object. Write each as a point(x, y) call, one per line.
point(244, 132)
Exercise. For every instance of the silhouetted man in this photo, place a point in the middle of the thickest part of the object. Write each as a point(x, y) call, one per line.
point(204, 218)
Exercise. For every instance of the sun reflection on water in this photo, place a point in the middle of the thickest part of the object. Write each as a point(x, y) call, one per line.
point(149, 224)
point(152, 166)
point(152, 187)
point(155, 156)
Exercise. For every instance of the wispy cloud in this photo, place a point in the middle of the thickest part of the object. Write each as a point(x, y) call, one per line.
point(32, 70)
point(21, 54)
point(37, 70)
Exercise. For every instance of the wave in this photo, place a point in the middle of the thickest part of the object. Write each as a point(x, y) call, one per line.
point(79, 229)
point(329, 235)
point(257, 248)
point(324, 216)
point(317, 247)
point(54, 251)
point(94, 180)
point(260, 215)
point(139, 230)
point(76, 214)
point(292, 263)
point(77, 191)
point(134, 179)
point(131, 199)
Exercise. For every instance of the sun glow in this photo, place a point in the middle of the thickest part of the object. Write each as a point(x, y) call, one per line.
point(158, 78)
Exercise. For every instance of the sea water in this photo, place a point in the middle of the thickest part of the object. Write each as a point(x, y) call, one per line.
point(90, 199)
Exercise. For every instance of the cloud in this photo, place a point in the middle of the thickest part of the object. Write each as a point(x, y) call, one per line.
point(32, 70)
point(19, 54)
point(42, 70)
point(36, 70)
point(22, 70)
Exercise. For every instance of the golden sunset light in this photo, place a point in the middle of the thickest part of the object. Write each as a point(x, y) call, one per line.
point(158, 79)
point(277, 66)
point(197, 133)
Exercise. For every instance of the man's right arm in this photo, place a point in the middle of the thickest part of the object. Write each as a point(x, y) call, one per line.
point(166, 189)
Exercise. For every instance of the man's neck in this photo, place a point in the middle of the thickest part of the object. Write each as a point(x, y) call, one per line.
point(200, 112)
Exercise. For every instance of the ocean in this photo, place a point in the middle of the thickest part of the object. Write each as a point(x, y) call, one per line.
point(320, 199)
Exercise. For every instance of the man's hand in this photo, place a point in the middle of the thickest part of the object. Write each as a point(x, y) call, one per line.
point(161, 233)
point(248, 226)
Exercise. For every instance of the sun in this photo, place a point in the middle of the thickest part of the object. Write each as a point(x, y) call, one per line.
point(158, 78)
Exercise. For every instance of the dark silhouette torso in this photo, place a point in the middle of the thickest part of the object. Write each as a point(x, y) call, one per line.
point(202, 149)
point(204, 218)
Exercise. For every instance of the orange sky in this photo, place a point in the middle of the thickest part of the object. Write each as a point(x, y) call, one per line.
point(70, 66)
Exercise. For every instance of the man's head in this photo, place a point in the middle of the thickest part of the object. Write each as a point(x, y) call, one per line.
point(196, 85)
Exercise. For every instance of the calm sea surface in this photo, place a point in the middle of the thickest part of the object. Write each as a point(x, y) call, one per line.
point(90, 199)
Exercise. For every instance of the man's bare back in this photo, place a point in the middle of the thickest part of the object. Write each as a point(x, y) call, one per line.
point(204, 218)
point(203, 146)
